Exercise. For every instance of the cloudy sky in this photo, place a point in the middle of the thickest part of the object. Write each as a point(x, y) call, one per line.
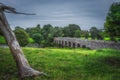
point(86, 13)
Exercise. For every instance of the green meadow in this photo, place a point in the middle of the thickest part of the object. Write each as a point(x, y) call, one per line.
point(65, 64)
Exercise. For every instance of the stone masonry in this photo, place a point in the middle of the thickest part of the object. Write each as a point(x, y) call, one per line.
point(92, 44)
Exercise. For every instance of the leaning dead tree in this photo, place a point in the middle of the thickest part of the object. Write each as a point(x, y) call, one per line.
point(24, 68)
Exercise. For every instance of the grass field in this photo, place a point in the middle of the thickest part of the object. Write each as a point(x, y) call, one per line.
point(2, 40)
point(65, 64)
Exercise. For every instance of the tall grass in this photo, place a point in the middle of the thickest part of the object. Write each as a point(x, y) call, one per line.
point(65, 64)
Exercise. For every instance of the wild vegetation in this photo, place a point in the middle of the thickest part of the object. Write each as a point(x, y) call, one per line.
point(65, 64)
point(2, 40)
point(112, 24)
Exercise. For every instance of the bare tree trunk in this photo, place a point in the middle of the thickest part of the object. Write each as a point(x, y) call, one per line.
point(22, 63)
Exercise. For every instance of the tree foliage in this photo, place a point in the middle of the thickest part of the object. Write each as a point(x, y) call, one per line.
point(77, 33)
point(44, 36)
point(22, 36)
point(85, 33)
point(33, 30)
point(112, 24)
point(95, 33)
point(58, 32)
point(48, 35)
point(70, 30)
point(37, 37)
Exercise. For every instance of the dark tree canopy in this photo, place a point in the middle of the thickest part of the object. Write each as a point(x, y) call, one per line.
point(33, 30)
point(95, 33)
point(112, 24)
point(71, 30)
point(22, 36)
point(85, 33)
point(37, 37)
point(58, 32)
point(48, 35)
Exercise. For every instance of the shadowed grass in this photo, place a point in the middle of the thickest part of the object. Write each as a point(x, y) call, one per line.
point(65, 64)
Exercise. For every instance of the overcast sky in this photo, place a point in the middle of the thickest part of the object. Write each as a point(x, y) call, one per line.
point(86, 13)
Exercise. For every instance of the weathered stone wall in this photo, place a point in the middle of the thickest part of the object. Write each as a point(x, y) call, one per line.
point(92, 44)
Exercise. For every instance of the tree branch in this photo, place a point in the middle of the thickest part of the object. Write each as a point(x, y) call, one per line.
point(15, 12)
point(10, 9)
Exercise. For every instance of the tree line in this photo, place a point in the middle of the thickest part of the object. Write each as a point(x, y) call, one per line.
point(44, 35)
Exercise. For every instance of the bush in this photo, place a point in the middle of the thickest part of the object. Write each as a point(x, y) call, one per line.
point(107, 39)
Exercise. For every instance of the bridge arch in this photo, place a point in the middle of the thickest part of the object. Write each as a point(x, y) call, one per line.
point(69, 44)
point(83, 46)
point(73, 45)
point(66, 43)
point(78, 45)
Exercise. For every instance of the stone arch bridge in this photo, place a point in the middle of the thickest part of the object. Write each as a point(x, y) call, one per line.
point(92, 44)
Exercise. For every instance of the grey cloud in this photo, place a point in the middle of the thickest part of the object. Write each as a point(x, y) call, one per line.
point(86, 13)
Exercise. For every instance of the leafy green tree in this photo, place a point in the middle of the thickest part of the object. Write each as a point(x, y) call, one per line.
point(73, 28)
point(47, 29)
point(43, 36)
point(66, 32)
point(22, 36)
point(77, 34)
point(31, 40)
point(70, 30)
point(95, 33)
point(48, 35)
point(85, 34)
point(112, 24)
point(37, 37)
point(18, 27)
point(58, 32)
point(33, 30)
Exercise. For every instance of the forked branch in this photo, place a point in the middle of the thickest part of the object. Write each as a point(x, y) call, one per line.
point(10, 9)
